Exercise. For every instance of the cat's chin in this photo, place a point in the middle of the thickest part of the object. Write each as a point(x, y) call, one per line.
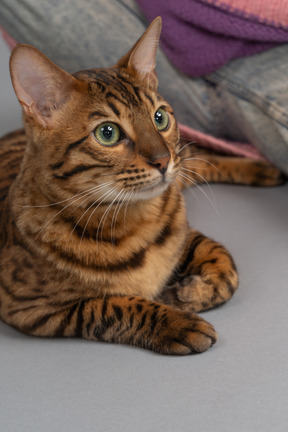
point(150, 192)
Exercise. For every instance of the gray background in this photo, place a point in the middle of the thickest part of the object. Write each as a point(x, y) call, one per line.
point(240, 385)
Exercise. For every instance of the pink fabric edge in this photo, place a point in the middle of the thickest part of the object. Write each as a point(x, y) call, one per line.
point(223, 146)
point(8, 39)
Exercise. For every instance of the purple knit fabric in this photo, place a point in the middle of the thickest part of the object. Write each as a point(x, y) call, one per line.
point(198, 38)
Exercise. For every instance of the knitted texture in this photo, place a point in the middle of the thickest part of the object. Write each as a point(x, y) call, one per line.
point(199, 36)
point(272, 12)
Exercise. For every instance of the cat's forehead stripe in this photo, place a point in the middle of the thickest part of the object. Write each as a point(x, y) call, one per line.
point(97, 114)
point(110, 95)
point(116, 86)
point(114, 109)
point(149, 98)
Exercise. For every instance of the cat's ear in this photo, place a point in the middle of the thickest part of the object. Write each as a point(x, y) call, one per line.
point(40, 85)
point(142, 56)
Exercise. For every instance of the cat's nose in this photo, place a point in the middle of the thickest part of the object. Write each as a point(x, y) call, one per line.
point(161, 163)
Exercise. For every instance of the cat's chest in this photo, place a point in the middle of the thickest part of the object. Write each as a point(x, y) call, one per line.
point(140, 265)
point(137, 261)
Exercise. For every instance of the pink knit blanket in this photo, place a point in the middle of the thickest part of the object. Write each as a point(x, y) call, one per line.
point(272, 12)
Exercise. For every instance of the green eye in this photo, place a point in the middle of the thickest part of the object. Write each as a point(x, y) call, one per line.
point(161, 119)
point(107, 134)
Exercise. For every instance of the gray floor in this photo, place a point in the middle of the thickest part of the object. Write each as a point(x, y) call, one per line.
point(240, 385)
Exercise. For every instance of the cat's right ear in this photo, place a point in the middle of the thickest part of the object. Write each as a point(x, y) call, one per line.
point(40, 85)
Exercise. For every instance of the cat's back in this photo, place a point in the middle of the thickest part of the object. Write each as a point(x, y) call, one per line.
point(12, 147)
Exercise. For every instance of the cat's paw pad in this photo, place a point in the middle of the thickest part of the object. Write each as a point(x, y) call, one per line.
point(186, 334)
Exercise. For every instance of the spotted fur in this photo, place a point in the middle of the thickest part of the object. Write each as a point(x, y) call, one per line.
point(94, 239)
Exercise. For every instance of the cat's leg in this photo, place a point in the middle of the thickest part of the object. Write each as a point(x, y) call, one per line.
point(199, 167)
point(119, 319)
point(205, 278)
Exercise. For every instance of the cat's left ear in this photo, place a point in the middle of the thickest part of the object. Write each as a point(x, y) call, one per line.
point(142, 56)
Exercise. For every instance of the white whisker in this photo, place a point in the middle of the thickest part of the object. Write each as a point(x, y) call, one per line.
point(78, 194)
point(84, 195)
point(186, 145)
point(126, 206)
point(204, 193)
point(203, 179)
point(104, 216)
point(103, 198)
point(60, 202)
point(64, 208)
point(116, 213)
point(185, 181)
point(93, 203)
point(203, 160)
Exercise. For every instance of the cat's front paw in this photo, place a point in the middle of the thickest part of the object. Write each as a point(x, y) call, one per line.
point(184, 333)
point(264, 174)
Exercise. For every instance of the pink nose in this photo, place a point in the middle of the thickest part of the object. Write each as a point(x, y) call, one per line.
point(161, 163)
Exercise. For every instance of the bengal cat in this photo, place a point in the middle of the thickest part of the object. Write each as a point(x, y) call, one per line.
point(93, 230)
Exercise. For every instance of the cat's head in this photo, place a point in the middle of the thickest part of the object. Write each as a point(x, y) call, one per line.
point(104, 130)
